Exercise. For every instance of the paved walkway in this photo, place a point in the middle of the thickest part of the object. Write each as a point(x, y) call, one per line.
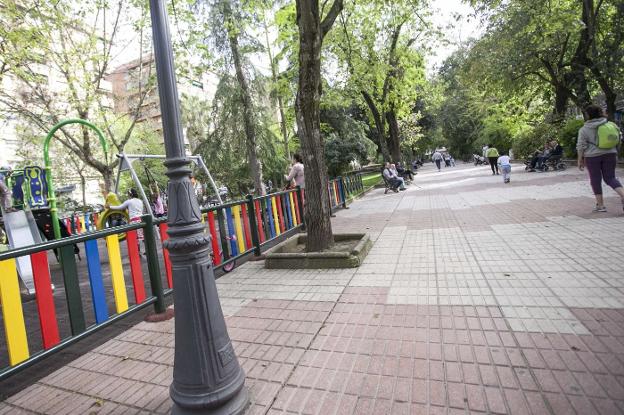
point(477, 297)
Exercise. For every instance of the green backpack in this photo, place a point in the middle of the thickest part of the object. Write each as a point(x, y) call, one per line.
point(607, 136)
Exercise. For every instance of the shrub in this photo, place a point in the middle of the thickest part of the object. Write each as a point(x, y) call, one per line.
point(567, 137)
point(528, 141)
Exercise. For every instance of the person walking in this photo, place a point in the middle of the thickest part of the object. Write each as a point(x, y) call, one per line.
point(437, 159)
point(505, 166)
point(596, 145)
point(492, 155)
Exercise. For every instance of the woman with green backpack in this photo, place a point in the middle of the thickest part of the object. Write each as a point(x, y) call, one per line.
point(597, 147)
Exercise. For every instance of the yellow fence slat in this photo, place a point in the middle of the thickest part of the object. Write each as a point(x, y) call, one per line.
point(276, 217)
point(117, 275)
point(240, 239)
point(292, 209)
point(12, 314)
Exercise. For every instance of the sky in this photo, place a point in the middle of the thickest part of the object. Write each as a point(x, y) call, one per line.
point(455, 17)
point(457, 31)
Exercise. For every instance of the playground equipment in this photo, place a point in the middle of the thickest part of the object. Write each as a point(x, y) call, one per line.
point(48, 167)
point(109, 218)
point(126, 164)
point(20, 226)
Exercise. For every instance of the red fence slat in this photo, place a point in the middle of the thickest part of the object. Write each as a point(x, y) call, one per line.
point(213, 239)
point(135, 266)
point(258, 209)
point(245, 218)
point(45, 300)
point(162, 228)
point(278, 202)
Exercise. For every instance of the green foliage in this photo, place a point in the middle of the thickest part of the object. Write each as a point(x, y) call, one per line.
point(567, 136)
point(345, 141)
point(533, 139)
point(223, 148)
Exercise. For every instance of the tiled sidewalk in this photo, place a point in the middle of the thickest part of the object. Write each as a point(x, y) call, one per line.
point(477, 297)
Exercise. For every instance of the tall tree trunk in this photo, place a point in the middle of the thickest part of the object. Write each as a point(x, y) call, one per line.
point(107, 174)
point(380, 125)
point(83, 188)
point(562, 97)
point(255, 167)
point(311, 33)
point(394, 139)
point(607, 89)
point(579, 62)
point(280, 100)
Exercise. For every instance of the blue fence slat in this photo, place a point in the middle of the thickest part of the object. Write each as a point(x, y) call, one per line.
point(97, 284)
point(269, 210)
point(231, 231)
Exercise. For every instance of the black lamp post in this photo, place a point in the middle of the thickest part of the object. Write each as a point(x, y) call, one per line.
point(207, 378)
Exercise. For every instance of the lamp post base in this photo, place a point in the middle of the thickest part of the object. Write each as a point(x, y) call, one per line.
point(237, 405)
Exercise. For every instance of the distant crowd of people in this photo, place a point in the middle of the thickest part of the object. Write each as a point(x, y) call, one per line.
point(438, 157)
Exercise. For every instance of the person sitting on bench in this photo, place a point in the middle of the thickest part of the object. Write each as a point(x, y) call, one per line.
point(395, 181)
point(405, 173)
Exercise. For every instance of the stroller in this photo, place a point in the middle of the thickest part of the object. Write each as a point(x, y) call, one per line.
point(480, 160)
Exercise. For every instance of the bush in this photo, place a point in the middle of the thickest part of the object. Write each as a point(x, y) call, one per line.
point(528, 141)
point(567, 137)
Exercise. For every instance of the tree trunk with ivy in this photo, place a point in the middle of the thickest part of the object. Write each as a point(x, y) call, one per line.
point(255, 167)
point(311, 34)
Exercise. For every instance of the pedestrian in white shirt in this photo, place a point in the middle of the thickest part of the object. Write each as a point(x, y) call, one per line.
point(135, 207)
point(504, 162)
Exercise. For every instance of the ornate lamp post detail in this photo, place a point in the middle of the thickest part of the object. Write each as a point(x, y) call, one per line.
point(207, 378)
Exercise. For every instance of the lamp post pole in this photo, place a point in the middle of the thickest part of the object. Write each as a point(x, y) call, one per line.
point(207, 378)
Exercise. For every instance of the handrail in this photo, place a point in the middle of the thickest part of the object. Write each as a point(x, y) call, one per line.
point(71, 240)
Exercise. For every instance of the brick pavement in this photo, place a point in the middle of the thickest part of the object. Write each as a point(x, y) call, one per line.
point(476, 298)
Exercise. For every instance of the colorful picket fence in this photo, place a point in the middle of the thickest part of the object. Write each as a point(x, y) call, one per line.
point(342, 189)
point(104, 311)
point(241, 227)
point(79, 223)
point(237, 229)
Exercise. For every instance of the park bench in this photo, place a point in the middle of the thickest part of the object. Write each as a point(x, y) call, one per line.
point(387, 184)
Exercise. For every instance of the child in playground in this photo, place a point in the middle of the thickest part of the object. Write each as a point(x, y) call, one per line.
point(505, 166)
point(5, 192)
point(135, 209)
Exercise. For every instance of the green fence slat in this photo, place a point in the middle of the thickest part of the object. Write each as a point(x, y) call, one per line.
point(72, 290)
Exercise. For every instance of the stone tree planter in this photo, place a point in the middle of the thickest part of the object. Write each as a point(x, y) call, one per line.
point(349, 251)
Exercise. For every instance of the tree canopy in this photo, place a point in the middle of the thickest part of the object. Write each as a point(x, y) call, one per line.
point(366, 94)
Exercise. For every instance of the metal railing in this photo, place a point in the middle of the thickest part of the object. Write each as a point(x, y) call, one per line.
point(238, 230)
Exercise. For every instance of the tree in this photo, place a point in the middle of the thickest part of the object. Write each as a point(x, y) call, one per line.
point(80, 55)
point(277, 93)
point(345, 140)
point(312, 31)
point(17, 37)
point(377, 44)
point(220, 136)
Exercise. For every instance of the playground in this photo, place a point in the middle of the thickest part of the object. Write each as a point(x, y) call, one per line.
point(464, 303)
point(66, 278)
